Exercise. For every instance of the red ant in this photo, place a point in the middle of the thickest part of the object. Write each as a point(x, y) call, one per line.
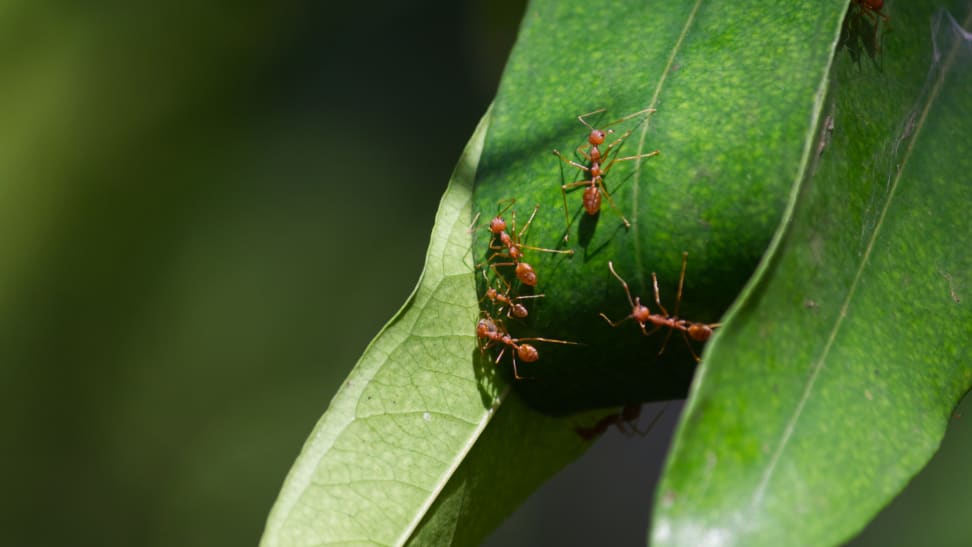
point(626, 420)
point(700, 332)
point(492, 333)
point(594, 156)
point(515, 308)
point(510, 246)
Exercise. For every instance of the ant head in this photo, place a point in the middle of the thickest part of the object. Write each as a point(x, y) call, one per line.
point(596, 137)
point(526, 275)
point(527, 353)
point(640, 313)
point(497, 225)
point(485, 328)
point(699, 332)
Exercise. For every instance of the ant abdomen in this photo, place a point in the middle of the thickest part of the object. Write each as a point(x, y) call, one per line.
point(527, 353)
point(592, 200)
point(526, 274)
point(699, 332)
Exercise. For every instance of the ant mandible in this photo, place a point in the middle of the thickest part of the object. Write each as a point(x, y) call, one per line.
point(492, 332)
point(594, 156)
point(700, 332)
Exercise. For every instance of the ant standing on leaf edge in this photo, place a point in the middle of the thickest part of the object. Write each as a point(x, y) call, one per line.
point(507, 247)
point(506, 250)
point(491, 332)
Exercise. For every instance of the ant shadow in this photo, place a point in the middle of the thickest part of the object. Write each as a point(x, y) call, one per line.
point(860, 37)
point(586, 228)
point(488, 379)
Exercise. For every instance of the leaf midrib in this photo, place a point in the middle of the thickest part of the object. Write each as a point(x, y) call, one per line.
point(639, 265)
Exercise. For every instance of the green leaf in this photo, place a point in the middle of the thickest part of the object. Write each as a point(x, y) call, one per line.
point(737, 88)
point(831, 384)
point(408, 413)
point(408, 445)
point(404, 430)
point(932, 510)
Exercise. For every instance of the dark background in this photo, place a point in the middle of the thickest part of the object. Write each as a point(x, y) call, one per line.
point(206, 212)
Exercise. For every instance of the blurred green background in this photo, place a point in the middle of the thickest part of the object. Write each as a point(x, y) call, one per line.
point(207, 210)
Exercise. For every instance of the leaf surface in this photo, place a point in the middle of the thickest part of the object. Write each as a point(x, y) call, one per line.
point(736, 88)
point(408, 413)
point(832, 382)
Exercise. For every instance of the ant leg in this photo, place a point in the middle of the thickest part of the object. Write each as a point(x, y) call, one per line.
point(571, 162)
point(648, 111)
point(519, 236)
point(542, 249)
point(500, 356)
point(499, 254)
point(624, 284)
point(563, 193)
point(617, 141)
point(518, 340)
point(627, 133)
point(580, 151)
point(516, 373)
point(691, 349)
point(603, 190)
point(628, 158)
point(496, 265)
point(654, 282)
point(510, 202)
point(582, 116)
point(652, 331)
point(665, 343)
point(526, 226)
point(618, 322)
point(472, 227)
